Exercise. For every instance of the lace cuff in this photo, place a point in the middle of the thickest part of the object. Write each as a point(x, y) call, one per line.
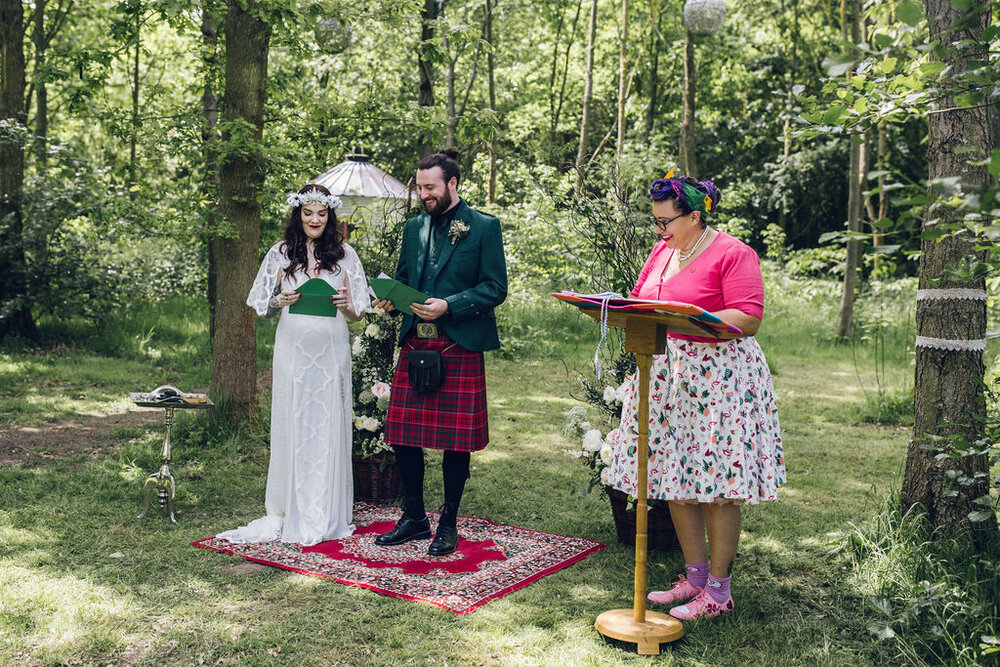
point(267, 284)
point(272, 307)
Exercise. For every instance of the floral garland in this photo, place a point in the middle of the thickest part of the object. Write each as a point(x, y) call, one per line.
point(373, 363)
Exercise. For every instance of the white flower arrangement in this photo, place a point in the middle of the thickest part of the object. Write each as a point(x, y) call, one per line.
point(596, 450)
point(607, 452)
point(592, 441)
point(373, 366)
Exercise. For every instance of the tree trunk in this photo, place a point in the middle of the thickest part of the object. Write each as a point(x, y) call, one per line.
point(135, 102)
point(234, 352)
point(654, 67)
point(209, 137)
point(426, 95)
point(948, 393)
point(852, 262)
point(883, 196)
point(588, 93)
point(491, 196)
point(689, 164)
point(449, 139)
point(854, 177)
point(560, 20)
point(622, 67)
point(15, 314)
point(41, 90)
point(564, 75)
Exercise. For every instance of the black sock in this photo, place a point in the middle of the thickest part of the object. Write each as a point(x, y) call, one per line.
point(455, 466)
point(410, 462)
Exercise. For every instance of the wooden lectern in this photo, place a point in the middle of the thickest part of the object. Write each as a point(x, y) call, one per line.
point(645, 335)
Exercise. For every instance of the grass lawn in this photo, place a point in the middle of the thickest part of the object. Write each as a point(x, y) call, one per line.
point(82, 581)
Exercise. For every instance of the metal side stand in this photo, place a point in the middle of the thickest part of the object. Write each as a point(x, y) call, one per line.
point(162, 480)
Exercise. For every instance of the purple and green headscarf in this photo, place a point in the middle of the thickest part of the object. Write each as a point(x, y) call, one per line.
point(696, 196)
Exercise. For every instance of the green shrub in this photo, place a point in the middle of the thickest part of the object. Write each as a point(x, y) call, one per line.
point(935, 601)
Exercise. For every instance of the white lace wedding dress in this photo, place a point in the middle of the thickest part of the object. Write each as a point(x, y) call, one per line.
point(310, 489)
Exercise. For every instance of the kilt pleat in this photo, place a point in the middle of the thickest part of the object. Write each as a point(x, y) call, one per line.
point(454, 416)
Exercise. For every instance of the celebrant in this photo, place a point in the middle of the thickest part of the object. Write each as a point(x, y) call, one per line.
point(310, 489)
point(714, 437)
point(454, 254)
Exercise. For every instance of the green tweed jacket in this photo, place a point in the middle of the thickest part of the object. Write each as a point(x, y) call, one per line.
point(471, 276)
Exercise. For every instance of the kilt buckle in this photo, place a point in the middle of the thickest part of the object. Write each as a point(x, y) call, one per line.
point(427, 330)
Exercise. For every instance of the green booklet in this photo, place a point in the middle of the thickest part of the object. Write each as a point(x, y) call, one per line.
point(315, 299)
point(395, 291)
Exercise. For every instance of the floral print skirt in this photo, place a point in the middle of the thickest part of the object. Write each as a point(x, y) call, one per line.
point(713, 426)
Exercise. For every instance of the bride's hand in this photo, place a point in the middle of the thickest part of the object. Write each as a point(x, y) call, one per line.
point(287, 298)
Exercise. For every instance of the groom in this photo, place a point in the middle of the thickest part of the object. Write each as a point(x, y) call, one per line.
point(454, 254)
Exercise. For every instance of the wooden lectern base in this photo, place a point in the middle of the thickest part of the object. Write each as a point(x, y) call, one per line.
point(658, 628)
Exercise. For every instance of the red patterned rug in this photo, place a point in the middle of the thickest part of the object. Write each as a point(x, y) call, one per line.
point(490, 562)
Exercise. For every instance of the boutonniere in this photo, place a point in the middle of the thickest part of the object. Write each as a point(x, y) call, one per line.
point(457, 231)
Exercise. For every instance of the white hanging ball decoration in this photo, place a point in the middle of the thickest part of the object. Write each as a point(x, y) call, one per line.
point(704, 17)
point(332, 35)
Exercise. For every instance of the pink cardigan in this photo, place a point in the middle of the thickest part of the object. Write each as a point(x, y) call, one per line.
point(725, 275)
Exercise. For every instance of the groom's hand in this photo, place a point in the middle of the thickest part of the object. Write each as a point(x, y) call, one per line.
point(383, 306)
point(431, 310)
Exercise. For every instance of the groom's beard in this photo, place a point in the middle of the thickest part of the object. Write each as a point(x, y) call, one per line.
point(438, 205)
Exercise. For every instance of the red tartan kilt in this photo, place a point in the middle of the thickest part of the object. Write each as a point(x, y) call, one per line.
point(454, 416)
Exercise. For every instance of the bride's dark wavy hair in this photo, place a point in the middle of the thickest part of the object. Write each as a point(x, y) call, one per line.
point(329, 247)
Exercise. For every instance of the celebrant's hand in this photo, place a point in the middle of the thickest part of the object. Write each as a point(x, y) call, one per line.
point(341, 300)
point(287, 298)
point(383, 306)
point(431, 310)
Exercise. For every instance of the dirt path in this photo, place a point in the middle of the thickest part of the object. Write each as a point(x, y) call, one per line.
point(80, 435)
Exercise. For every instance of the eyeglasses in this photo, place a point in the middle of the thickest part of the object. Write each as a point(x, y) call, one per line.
point(662, 224)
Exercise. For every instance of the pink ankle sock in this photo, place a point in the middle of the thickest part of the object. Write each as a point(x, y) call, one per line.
point(718, 588)
point(697, 574)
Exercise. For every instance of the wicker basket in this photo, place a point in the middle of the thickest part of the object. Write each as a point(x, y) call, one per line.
point(371, 483)
point(659, 528)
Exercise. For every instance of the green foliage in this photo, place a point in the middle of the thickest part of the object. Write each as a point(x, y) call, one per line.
point(934, 601)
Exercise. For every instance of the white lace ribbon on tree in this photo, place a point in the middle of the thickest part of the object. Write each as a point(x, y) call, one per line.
point(976, 345)
point(953, 293)
point(952, 344)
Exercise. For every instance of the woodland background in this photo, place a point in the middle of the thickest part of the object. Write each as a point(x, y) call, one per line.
point(146, 147)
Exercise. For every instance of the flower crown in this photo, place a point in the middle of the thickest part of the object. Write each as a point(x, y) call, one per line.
point(312, 196)
point(701, 198)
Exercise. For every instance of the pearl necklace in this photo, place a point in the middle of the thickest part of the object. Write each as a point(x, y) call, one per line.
point(685, 256)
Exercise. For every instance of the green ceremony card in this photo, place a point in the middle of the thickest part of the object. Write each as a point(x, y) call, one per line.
point(315, 299)
point(395, 291)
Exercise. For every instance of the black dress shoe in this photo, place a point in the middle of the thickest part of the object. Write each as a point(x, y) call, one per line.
point(445, 540)
point(406, 530)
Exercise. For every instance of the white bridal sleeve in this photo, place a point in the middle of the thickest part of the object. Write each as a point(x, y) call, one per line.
point(268, 279)
point(355, 281)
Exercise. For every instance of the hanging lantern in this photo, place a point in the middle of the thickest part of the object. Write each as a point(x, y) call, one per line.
point(332, 35)
point(704, 17)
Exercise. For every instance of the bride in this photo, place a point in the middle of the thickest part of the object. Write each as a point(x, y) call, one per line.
point(309, 484)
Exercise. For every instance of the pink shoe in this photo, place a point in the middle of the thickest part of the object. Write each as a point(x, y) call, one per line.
point(682, 590)
point(702, 606)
